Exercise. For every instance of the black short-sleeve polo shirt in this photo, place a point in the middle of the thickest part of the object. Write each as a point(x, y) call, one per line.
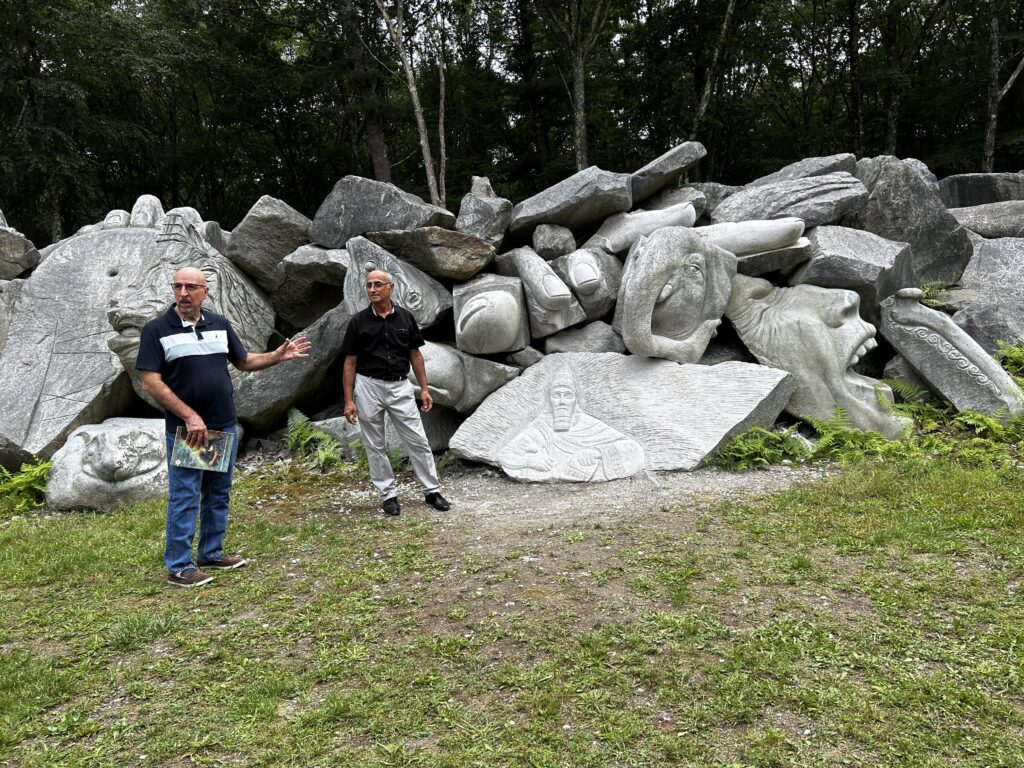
point(193, 362)
point(382, 344)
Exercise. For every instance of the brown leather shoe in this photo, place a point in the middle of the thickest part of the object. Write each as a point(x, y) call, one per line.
point(224, 563)
point(189, 577)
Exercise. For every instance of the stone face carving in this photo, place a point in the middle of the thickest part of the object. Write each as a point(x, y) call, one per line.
point(664, 170)
point(460, 381)
point(551, 241)
point(594, 278)
point(900, 207)
point(483, 214)
point(601, 416)
point(490, 315)
point(310, 284)
point(597, 336)
point(146, 212)
point(583, 199)
point(965, 189)
point(17, 254)
point(675, 287)
point(818, 336)
point(619, 231)
point(996, 274)
point(415, 290)
point(1004, 219)
point(811, 166)
point(950, 361)
point(443, 253)
point(269, 231)
point(143, 292)
point(102, 465)
point(356, 206)
point(549, 302)
point(816, 200)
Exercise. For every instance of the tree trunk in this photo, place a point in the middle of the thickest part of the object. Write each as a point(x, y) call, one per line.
point(709, 82)
point(579, 110)
point(992, 106)
point(442, 146)
point(371, 116)
point(856, 84)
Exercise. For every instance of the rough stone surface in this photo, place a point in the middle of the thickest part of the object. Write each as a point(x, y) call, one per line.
point(952, 363)
point(104, 465)
point(3, 220)
point(310, 284)
point(898, 368)
point(483, 214)
point(924, 172)
point(597, 336)
point(675, 287)
point(491, 315)
point(594, 417)
point(778, 260)
point(747, 237)
point(549, 302)
point(665, 170)
point(10, 290)
point(262, 398)
point(583, 199)
point(551, 241)
point(443, 253)
point(900, 207)
point(731, 351)
point(414, 289)
point(1004, 219)
point(269, 231)
point(816, 200)
point(619, 231)
point(810, 166)
point(17, 254)
point(356, 206)
point(966, 189)
point(117, 219)
point(996, 275)
point(524, 358)
point(215, 236)
point(593, 276)
point(670, 197)
point(460, 381)
point(146, 212)
point(714, 193)
point(818, 336)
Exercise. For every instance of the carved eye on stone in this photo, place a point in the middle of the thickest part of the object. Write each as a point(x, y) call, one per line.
point(369, 266)
point(412, 298)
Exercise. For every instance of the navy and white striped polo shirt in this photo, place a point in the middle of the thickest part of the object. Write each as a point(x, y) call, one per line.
point(193, 362)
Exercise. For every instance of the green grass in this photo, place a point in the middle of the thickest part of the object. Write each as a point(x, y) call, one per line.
point(871, 618)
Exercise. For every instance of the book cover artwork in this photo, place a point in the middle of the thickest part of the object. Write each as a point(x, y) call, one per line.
point(214, 457)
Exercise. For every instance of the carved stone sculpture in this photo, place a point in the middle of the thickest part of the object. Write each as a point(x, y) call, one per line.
point(670, 197)
point(103, 465)
point(818, 336)
point(460, 381)
point(583, 199)
point(761, 246)
point(443, 253)
point(675, 287)
point(591, 417)
point(117, 219)
point(594, 277)
point(952, 363)
point(267, 233)
point(414, 289)
point(619, 231)
point(549, 302)
point(490, 315)
point(815, 199)
point(147, 211)
point(483, 214)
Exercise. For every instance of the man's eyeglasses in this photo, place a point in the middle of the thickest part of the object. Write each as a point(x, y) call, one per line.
point(190, 287)
point(376, 284)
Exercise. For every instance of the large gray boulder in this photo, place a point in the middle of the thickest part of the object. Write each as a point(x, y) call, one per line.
point(483, 214)
point(595, 417)
point(549, 302)
point(816, 200)
point(924, 172)
point(966, 189)
point(443, 253)
point(665, 170)
point(900, 207)
point(580, 201)
point(10, 290)
point(262, 398)
point(995, 275)
point(460, 381)
point(952, 363)
point(269, 231)
point(811, 166)
point(552, 240)
point(1004, 219)
point(120, 461)
point(714, 193)
point(310, 284)
point(356, 206)
point(17, 254)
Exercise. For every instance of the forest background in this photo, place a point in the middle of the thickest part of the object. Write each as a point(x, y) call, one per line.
point(213, 103)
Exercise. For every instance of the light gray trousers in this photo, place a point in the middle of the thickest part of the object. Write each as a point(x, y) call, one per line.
point(375, 397)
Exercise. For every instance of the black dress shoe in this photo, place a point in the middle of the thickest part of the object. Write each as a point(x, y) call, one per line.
point(437, 501)
point(391, 506)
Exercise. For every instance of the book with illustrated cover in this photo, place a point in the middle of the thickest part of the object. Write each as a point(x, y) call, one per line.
point(214, 457)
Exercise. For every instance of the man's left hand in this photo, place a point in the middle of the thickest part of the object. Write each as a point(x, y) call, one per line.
point(427, 400)
point(293, 348)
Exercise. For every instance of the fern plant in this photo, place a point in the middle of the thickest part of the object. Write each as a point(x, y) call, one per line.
point(759, 447)
point(318, 449)
point(26, 489)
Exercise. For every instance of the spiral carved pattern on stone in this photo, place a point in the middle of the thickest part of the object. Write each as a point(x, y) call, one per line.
point(954, 355)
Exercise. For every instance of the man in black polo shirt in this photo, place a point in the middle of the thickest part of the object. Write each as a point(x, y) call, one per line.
point(183, 357)
point(381, 342)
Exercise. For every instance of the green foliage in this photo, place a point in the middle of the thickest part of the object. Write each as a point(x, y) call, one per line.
point(932, 290)
point(1011, 357)
point(26, 489)
point(759, 447)
point(317, 448)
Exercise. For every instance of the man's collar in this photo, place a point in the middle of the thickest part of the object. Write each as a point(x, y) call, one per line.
point(378, 314)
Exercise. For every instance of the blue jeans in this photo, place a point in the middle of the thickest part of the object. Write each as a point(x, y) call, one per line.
point(195, 492)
